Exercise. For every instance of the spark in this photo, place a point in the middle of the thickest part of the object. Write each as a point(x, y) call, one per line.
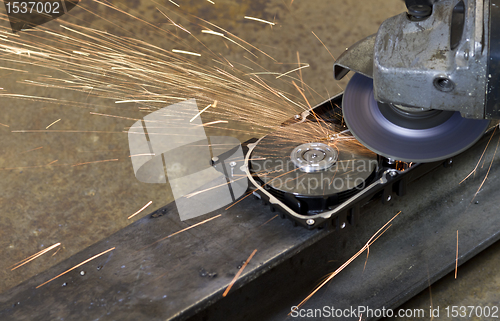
point(343, 266)
point(211, 1)
point(63, 131)
point(300, 70)
point(139, 101)
point(260, 20)
point(76, 266)
point(174, 3)
point(275, 216)
point(53, 123)
point(479, 161)
point(456, 259)
point(487, 173)
point(34, 256)
point(178, 26)
point(32, 149)
point(213, 33)
point(13, 69)
point(288, 72)
point(288, 99)
point(99, 161)
point(114, 116)
point(183, 230)
point(198, 114)
point(248, 194)
point(56, 252)
point(146, 154)
point(52, 162)
point(4, 125)
point(324, 46)
point(208, 189)
point(186, 52)
point(27, 96)
point(214, 122)
point(81, 53)
point(239, 273)
point(142, 209)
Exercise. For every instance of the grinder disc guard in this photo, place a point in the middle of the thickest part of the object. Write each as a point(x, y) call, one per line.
point(426, 137)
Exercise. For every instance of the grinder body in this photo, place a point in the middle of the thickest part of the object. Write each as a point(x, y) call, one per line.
point(439, 56)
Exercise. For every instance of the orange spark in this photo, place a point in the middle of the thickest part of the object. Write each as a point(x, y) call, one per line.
point(4, 125)
point(248, 194)
point(32, 150)
point(324, 46)
point(100, 161)
point(479, 161)
point(183, 230)
point(142, 209)
point(34, 256)
point(275, 216)
point(488, 172)
point(239, 272)
point(76, 266)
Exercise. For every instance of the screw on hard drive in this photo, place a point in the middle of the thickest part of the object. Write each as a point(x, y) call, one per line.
point(232, 164)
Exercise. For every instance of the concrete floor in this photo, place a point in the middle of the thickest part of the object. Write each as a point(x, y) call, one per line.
point(78, 205)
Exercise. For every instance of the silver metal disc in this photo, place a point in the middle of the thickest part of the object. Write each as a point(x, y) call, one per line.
point(427, 139)
point(313, 157)
point(350, 167)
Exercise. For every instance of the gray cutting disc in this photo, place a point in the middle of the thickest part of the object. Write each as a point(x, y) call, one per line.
point(272, 164)
point(421, 140)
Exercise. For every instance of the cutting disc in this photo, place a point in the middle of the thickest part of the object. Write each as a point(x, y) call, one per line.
point(412, 137)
